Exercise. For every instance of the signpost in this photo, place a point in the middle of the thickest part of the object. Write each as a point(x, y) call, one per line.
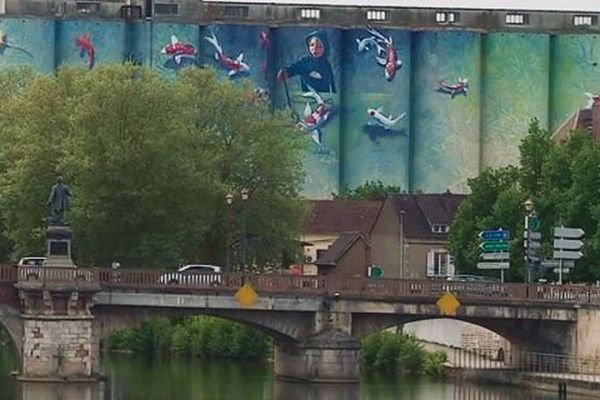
point(532, 242)
point(566, 247)
point(495, 247)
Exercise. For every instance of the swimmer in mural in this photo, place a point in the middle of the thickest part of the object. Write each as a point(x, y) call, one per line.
point(314, 119)
point(5, 44)
point(86, 48)
point(314, 69)
point(453, 89)
point(234, 67)
point(180, 53)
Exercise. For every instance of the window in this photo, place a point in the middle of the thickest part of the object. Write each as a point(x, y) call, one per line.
point(236, 11)
point(446, 17)
point(440, 228)
point(584, 20)
point(166, 9)
point(87, 8)
point(376, 15)
point(439, 263)
point(310, 13)
point(516, 19)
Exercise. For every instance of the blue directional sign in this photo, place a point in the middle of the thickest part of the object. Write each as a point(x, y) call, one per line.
point(495, 235)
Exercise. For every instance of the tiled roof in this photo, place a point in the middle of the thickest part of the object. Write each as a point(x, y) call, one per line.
point(422, 211)
point(337, 250)
point(337, 216)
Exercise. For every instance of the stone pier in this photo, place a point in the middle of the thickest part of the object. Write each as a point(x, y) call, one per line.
point(58, 336)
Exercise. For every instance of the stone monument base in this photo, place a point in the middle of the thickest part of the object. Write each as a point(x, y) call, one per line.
point(58, 239)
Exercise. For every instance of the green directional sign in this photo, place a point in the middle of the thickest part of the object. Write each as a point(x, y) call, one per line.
point(494, 246)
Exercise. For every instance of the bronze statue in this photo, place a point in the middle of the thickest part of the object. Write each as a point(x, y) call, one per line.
point(59, 202)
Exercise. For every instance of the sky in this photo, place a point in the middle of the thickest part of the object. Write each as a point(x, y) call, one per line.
point(547, 5)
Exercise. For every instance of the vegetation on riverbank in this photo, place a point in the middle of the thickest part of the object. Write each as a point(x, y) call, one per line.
point(204, 336)
point(395, 352)
point(194, 336)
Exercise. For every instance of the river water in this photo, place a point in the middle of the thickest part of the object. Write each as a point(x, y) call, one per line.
point(130, 377)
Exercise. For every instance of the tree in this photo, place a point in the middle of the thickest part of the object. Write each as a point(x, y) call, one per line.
point(564, 184)
point(370, 190)
point(149, 161)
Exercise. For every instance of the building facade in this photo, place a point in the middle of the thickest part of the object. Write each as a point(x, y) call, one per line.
point(415, 97)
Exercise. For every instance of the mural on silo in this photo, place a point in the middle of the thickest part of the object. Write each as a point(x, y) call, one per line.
point(174, 46)
point(515, 90)
point(575, 74)
point(308, 64)
point(445, 110)
point(89, 43)
point(375, 117)
point(239, 51)
point(27, 42)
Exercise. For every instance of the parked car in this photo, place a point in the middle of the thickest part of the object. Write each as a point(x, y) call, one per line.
point(193, 274)
point(31, 262)
point(473, 279)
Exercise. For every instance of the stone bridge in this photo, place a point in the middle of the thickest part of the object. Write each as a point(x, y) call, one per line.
point(58, 317)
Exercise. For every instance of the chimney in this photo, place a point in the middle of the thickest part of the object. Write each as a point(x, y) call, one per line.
point(596, 120)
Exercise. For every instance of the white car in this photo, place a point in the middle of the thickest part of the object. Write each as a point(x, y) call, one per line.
point(193, 274)
point(31, 262)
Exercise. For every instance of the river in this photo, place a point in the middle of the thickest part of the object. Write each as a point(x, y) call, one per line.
point(131, 377)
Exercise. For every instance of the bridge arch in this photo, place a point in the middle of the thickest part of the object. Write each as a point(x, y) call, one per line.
point(12, 324)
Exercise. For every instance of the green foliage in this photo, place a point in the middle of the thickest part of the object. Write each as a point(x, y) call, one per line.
point(434, 364)
point(392, 352)
point(195, 336)
point(149, 161)
point(371, 190)
point(563, 180)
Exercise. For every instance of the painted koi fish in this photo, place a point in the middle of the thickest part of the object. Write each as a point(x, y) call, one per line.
point(313, 120)
point(387, 55)
point(179, 50)
point(234, 67)
point(265, 40)
point(453, 89)
point(383, 121)
point(86, 48)
point(4, 44)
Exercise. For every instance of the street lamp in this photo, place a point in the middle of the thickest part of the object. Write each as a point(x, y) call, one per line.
point(229, 200)
point(530, 212)
point(245, 193)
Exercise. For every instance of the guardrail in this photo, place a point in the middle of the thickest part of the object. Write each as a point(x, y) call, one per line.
point(321, 285)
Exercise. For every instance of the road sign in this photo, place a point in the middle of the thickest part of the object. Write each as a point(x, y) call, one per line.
point(532, 235)
point(567, 255)
point(568, 233)
point(531, 244)
point(556, 263)
point(567, 244)
point(496, 256)
point(495, 235)
point(564, 270)
point(494, 246)
point(493, 265)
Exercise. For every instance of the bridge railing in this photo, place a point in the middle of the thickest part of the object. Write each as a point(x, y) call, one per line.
point(358, 287)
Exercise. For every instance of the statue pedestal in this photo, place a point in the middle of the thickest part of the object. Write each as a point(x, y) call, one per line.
point(59, 247)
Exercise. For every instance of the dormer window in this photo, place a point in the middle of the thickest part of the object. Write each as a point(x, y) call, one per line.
point(440, 228)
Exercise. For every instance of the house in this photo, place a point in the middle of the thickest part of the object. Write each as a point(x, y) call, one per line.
point(330, 219)
point(587, 119)
point(349, 255)
point(410, 235)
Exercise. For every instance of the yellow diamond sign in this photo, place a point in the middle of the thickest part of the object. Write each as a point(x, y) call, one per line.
point(448, 304)
point(246, 295)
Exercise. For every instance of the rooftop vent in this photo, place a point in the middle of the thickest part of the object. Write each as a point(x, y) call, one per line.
point(310, 13)
point(446, 17)
point(163, 9)
point(86, 7)
point(236, 11)
point(516, 19)
point(585, 20)
point(376, 15)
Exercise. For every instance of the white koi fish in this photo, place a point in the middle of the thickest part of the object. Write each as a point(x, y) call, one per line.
point(383, 121)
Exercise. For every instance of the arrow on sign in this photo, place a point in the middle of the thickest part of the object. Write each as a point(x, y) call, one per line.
point(495, 235)
point(567, 244)
point(493, 265)
point(569, 233)
point(496, 256)
point(567, 255)
point(494, 246)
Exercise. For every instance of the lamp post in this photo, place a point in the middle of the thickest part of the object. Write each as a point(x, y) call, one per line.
point(229, 200)
point(529, 213)
point(245, 194)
